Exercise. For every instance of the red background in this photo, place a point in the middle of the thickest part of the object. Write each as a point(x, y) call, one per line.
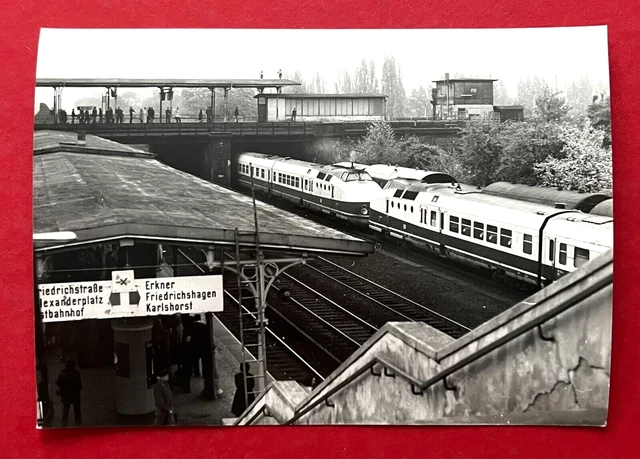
point(18, 46)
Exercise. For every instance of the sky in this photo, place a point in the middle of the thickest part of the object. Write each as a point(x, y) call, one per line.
point(559, 55)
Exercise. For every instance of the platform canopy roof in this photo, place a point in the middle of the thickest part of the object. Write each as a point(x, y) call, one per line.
point(103, 191)
point(162, 83)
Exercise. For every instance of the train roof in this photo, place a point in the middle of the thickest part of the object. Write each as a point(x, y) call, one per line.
point(605, 208)
point(104, 194)
point(299, 166)
point(388, 172)
point(548, 196)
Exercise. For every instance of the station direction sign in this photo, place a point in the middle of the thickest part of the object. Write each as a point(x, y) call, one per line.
point(126, 296)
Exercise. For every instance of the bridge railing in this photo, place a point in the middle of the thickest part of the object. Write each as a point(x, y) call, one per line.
point(190, 128)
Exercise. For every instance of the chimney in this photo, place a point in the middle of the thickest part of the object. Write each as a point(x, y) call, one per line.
point(446, 76)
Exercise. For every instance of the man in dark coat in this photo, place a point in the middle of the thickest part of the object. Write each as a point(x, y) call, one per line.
point(73, 116)
point(132, 113)
point(239, 405)
point(70, 385)
point(200, 342)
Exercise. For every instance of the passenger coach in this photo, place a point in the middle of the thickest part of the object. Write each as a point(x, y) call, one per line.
point(520, 242)
point(339, 191)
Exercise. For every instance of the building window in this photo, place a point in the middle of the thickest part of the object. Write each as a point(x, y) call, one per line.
point(581, 257)
point(478, 230)
point(527, 244)
point(453, 224)
point(505, 237)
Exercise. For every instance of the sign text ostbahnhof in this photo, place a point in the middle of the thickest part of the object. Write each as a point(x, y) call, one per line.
point(125, 296)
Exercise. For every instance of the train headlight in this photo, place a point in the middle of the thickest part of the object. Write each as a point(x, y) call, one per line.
point(364, 210)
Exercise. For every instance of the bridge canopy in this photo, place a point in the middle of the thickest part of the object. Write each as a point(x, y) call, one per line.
point(258, 83)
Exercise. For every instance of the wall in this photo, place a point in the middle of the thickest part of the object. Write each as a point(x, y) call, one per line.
point(558, 375)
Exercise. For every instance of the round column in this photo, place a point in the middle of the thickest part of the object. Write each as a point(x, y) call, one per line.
point(134, 378)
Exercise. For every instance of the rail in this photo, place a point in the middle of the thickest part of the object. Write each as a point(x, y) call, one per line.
point(418, 387)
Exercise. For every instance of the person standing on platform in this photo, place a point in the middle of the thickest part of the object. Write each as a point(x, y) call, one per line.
point(209, 114)
point(178, 120)
point(94, 115)
point(293, 114)
point(70, 386)
point(199, 342)
point(152, 114)
point(239, 405)
point(87, 117)
point(164, 415)
point(185, 366)
point(73, 116)
point(200, 116)
point(261, 74)
point(132, 113)
point(142, 115)
point(236, 113)
point(100, 114)
point(167, 114)
point(280, 73)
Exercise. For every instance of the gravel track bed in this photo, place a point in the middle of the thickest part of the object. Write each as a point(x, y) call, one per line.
point(460, 301)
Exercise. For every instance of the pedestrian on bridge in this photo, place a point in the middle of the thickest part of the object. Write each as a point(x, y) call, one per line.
point(178, 120)
point(167, 114)
point(293, 114)
point(236, 113)
point(132, 113)
point(73, 116)
point(94, 115)
point(200, 116)
point(100, 115)
point(142, 115)
point(87, 117)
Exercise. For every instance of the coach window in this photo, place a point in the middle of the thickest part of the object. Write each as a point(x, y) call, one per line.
point(492, 234)
point(505, 237)
point(552, 249)
point(405, 207)
point(562, 258)
point(453, 224)
point(581, 257)
point(466, 227)
point(433, 218)
point(478, 230)
point(527, 244)
point(262, 174)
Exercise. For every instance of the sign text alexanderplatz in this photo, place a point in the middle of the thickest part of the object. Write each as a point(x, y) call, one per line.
point(125, 296)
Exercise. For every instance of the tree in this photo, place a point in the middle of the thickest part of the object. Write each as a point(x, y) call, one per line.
point(479, 153)
point(550, 105)
point(378, 146)
point(417, 154)
point(524, 144)
point(528, 90)
point(392, 86)
point(365, 79)
point(587, 165)
point(500, 94)
point(599, 114)
point(345, 84)
point(579, 95)
point(318, 85)
point(418, 103)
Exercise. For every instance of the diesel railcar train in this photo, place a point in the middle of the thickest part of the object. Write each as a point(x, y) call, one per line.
point(341, 192)
point(521, 242)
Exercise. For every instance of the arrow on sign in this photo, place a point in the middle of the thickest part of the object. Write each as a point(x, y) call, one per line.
point(124, 299)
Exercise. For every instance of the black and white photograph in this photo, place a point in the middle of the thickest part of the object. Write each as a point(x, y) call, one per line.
point(362, 227)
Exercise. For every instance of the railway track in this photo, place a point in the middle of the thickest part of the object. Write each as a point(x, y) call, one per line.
point(402, 307)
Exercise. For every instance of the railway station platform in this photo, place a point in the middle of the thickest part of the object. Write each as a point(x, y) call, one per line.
point(127, 211)
point(545, 361)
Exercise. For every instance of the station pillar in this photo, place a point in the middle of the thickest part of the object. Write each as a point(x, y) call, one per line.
point(218, 158)
point(134, 369)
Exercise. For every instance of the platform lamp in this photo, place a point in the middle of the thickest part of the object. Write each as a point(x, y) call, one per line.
point(44, 407)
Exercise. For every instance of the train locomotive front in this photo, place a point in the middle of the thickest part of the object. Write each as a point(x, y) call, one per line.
point(341, 192)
